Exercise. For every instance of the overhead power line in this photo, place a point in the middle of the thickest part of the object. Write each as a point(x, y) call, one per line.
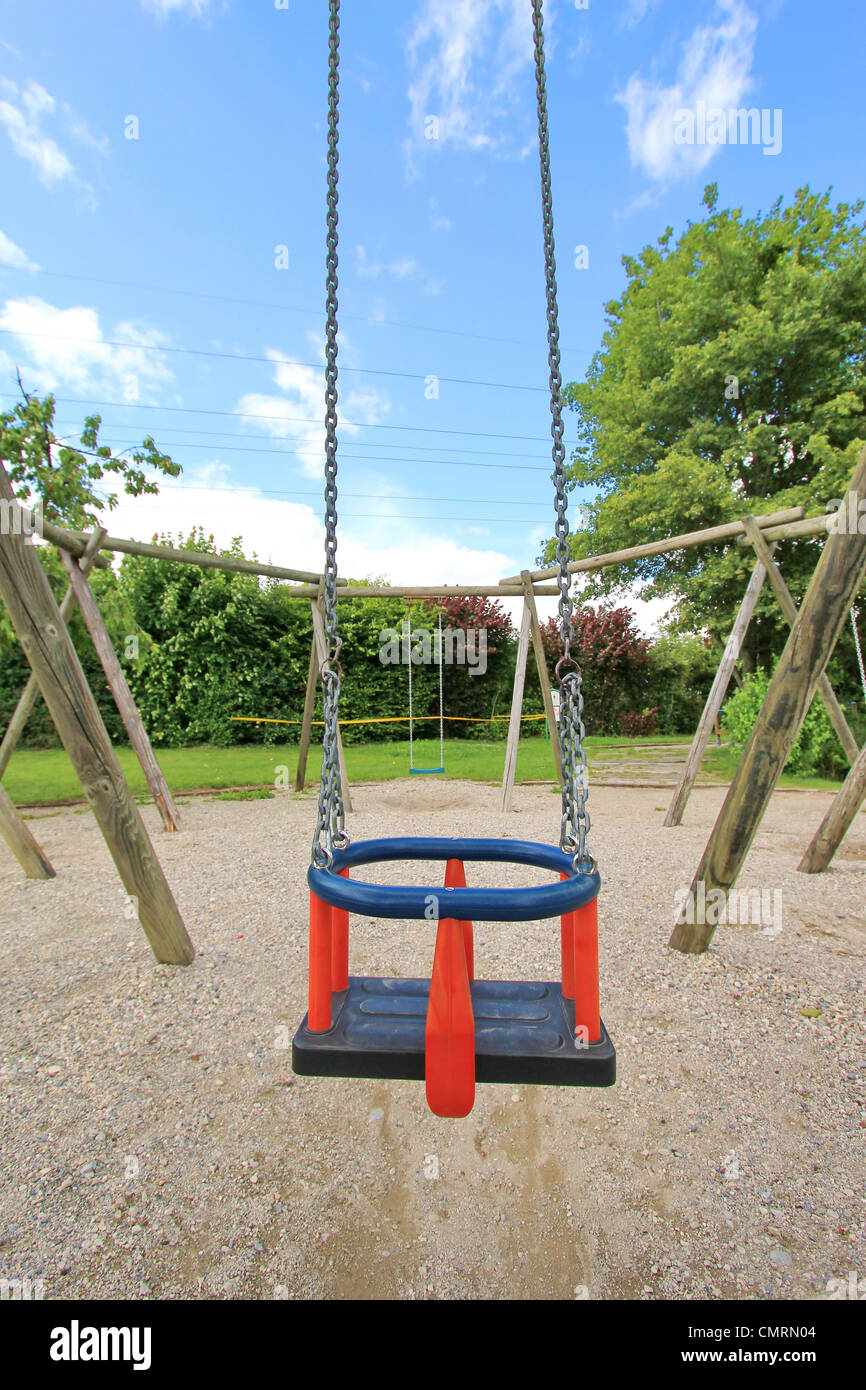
point(294, 309)
point(362, 496)
point(437, 449)
point(292, 419)
point(369, 458)
point(270, 361)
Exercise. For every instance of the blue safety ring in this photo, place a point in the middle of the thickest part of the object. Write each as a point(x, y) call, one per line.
point(466, 904)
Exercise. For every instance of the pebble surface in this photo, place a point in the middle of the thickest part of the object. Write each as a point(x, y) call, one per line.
point(154, 1141)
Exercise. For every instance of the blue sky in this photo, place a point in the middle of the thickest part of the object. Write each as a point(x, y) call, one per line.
point(139, 276)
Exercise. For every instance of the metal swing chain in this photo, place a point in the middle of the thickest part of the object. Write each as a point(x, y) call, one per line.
point(330, 820)
point(854, 616)
point(575, 824)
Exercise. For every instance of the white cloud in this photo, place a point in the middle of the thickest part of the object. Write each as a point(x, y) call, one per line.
point(164, 8)
point(66, 347)
point(23, 126)
point(437, 221)
point(404, 268)
point(13, 256)
point(714, 68)
point(635, 11)
point(24, 116)
point(466, 56)
point(288, 415)
point(80, 131)
point(290, 533)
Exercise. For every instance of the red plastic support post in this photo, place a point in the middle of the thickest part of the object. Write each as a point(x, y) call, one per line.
point(450, 1030)
point(340, 945)
point(319, 1011)
point(455, 877)
point(586, 970)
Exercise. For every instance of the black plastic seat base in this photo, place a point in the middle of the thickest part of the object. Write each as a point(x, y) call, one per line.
point(524, 1035)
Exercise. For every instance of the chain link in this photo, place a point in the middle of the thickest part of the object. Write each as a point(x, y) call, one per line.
point(575, 824)
point(330, 820)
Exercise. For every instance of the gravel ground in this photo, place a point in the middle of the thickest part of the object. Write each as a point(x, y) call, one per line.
point(155, 1142)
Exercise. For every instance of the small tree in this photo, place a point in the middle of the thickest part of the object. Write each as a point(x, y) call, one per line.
point(66, 476)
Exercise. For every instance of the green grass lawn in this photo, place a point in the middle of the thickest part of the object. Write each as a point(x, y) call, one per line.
point(44, 775)
point(721, 764)
point(37, 776)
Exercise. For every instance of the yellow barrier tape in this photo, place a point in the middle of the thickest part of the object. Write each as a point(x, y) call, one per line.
point(386, 719)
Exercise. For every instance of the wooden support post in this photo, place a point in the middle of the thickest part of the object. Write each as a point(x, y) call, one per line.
point(322, 649)
point(837, 822)
point(543, 676)
point(30, 693)
point(789, 608)
point(307, 717)
point(824, 611)
point(716, 696)
point(46, 643)
point(309, 706)
point(127, 708)
point(18, 837)
point(516, 710)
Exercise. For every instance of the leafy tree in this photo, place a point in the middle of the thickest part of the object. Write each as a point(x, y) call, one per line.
point(681, 670)
point(816, 750)
point(731, 379)
point(65, 476)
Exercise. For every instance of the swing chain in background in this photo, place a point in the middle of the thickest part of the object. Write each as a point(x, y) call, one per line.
point(330, 820)
point(854, 616)
point(575, 824)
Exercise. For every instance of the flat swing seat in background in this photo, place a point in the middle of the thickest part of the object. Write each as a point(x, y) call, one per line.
point(424, 771)
point(453, 1030)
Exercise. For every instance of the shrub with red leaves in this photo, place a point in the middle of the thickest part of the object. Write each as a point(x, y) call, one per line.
point(612, 655)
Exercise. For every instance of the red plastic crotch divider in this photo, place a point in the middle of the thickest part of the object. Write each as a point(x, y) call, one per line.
point(455, 877)
point(450, 1031)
